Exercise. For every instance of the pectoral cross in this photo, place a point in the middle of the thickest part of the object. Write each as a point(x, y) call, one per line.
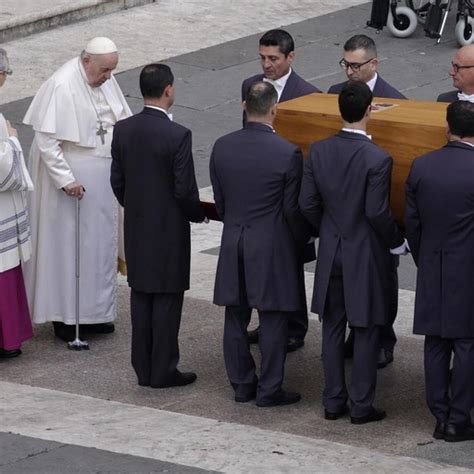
point(101, 132)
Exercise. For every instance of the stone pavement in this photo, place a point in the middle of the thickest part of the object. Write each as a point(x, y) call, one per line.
point(51, 398)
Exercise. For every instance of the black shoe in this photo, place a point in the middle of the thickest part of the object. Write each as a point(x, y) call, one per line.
point(454, 434)
point(440, 428)
point(252, 336)
point(335, 415)
point(245, 398)
point(178, 380)
point(385, 358)
point(65, 332)
point(374, 415)
point(281, 398)
point(100, 328)
point(4, 354)
point(294, 344)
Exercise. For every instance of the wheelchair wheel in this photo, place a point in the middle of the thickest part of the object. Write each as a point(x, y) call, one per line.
point(405, 23)
point(463, 32)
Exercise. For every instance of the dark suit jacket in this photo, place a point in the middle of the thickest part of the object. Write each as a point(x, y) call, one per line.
point(295, 87)
point(451, 96)
point(439, 219)
point(256, 176)
point(381, 89)
point(152, 176)
point(345, 195)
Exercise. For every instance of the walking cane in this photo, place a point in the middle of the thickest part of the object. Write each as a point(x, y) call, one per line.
point(78, 344)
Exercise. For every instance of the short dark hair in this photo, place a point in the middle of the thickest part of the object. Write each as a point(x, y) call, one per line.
point(280, 38)
point(354, 99)
point(361, 42)
point(460, 118)
point(261, 97)
point(154, 79)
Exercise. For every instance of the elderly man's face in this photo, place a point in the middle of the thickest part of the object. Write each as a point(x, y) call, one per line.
point(274, 63)
point(463, 77)
point(360, 65)
point(99, 67)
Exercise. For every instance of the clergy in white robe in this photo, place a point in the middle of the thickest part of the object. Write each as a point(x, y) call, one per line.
point(73, 115)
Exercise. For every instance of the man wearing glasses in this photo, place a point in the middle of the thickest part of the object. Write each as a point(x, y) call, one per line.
point(360, 63)
point(462, 73)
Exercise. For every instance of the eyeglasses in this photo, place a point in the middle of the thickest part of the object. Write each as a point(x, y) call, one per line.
point(456, 67)
point(354, 66)
point(8, 72)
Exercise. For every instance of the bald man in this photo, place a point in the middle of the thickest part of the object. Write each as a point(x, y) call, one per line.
point(462, 73)
point(73, 115)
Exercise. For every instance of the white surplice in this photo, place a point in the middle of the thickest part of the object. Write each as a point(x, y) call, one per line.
point(67, 148)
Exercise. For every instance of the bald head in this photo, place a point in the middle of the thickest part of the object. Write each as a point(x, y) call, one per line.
point(463, 77)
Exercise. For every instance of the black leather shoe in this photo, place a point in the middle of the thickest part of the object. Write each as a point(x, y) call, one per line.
point(178, 380)
point(374, 415)
point(252, 336)
point(100, 328)
point(440, 428)
point(294, 344)
point(385, 358)
point(245, 398)
point(4, 354)
point(65, 332)
point(281, 398)
point(454, 434)
point(335, 415)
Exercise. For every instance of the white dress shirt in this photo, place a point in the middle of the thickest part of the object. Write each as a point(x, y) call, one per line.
point(279, 84)
point(168, 114)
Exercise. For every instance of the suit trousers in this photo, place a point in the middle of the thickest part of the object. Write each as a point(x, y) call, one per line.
point(240, 365)
point(388, 339)
point(364, 366)
point(298, 320)
point(450, 393)
point(156, 318)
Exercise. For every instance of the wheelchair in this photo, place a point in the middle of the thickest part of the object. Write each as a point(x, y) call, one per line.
point(402, 20)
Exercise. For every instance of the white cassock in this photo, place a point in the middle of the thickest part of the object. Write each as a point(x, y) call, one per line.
point(65, 115)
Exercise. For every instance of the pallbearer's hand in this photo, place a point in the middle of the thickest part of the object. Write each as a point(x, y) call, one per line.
point(74, 190)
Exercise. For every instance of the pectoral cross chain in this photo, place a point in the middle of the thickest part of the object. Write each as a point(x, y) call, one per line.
point(101, 132)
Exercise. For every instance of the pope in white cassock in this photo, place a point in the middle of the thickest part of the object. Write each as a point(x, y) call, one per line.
point(73, 115)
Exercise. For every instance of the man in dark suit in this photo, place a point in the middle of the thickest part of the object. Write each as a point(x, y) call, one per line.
point(462, 73)
point(345, 197)
point(277, 52)
point(439, 222)
point(256, 177)
point(153, 178)
point(360, 63)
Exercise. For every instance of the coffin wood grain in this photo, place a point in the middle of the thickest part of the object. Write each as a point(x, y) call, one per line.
point(408, 130)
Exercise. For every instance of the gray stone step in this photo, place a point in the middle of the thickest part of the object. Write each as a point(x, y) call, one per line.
point(21, 18)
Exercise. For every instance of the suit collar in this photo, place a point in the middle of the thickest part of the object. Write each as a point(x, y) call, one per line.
point(353, 136)
point(155, 112)
point(288, 91)
point(258, 126)
point(456, 144)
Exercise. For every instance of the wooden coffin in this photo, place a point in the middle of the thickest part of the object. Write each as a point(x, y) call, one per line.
point(408, 129)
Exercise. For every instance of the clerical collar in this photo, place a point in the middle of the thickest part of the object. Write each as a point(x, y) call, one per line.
point(279, 84)
point(372, 82)
point(466, 97)
point(168, 114)
point(360, 132)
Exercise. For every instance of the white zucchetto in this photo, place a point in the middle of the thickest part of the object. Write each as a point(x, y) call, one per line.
point(101, 45)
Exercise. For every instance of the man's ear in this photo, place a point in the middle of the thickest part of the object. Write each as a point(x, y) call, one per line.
point(291, 56)
point(448, 131)
point(274, 109)
point(168, 90)
point(244, 105)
